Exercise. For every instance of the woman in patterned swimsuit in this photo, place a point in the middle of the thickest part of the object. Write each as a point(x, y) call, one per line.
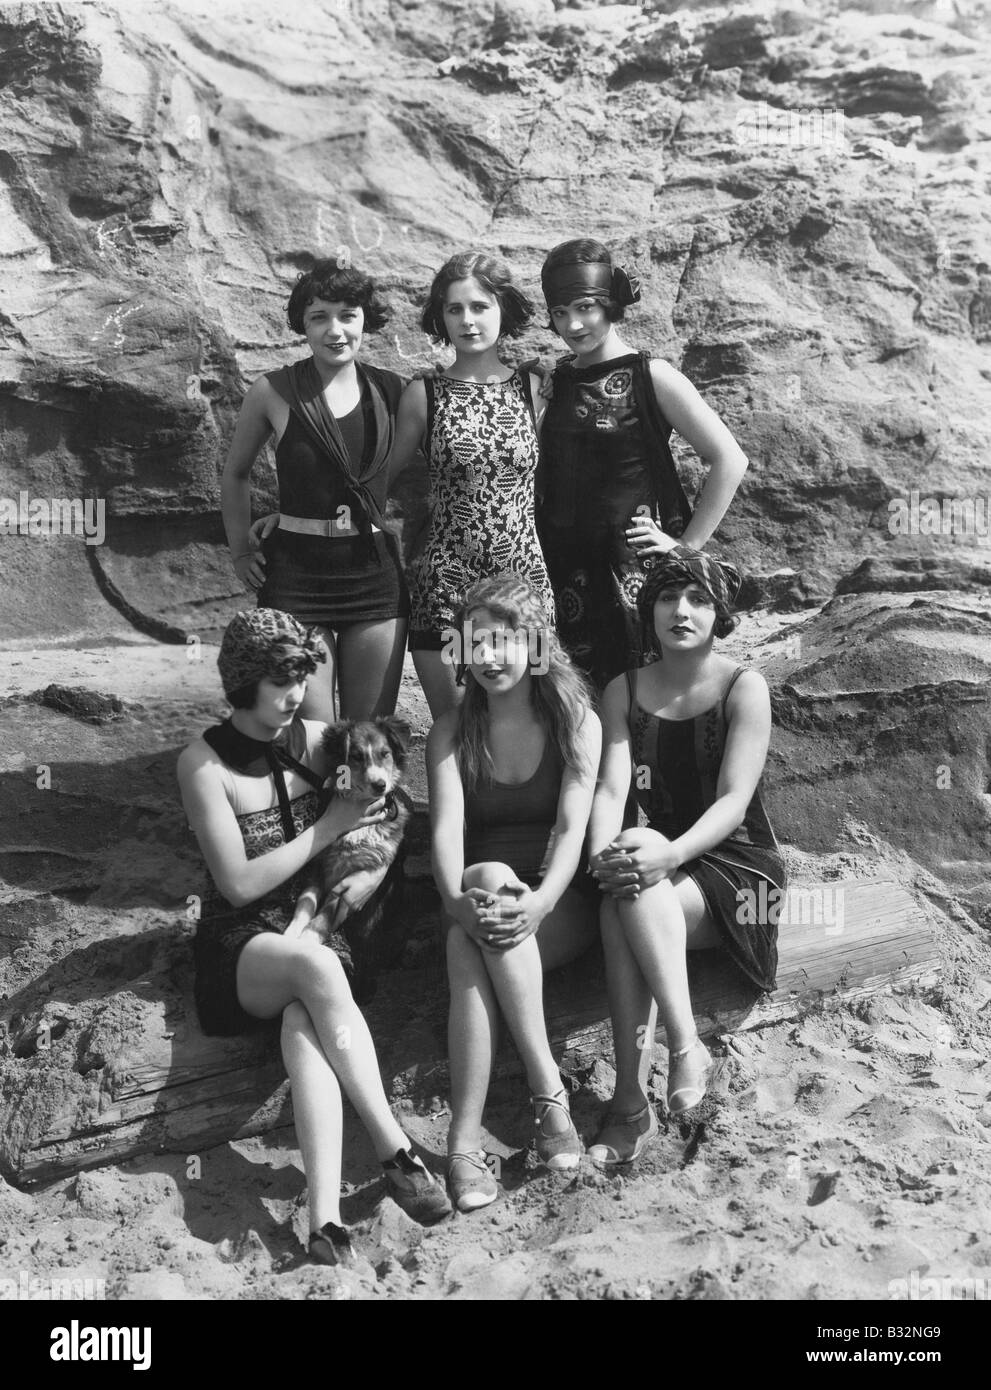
point(477, 424)
point(705, 871)
point(249, 788)
point(612, 501)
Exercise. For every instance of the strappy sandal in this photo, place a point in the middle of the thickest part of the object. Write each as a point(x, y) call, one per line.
point(470, 1181)
point(691, 1095)
point(559, 1152)
point(627, 1140)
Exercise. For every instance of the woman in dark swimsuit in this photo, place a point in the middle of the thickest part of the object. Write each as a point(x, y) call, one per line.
point(332, 562)
point(690, 732)
point(249, 788)
point(511, 776)
point(612, 501)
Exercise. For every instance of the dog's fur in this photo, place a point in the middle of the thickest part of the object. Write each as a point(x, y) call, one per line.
point(366, 762)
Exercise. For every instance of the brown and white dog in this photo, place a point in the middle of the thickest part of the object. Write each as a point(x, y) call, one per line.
point(366, 760)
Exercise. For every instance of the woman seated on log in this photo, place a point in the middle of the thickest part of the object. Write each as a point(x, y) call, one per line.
point(249, 787)
point(690, 732)
point(511, 777)
point(332, 559)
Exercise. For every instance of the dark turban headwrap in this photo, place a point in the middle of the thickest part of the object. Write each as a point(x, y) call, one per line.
point(562, 284)
point(684, 565)
point(266, 642)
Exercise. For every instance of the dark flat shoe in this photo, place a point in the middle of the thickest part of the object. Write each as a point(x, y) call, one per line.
point(331, 1245)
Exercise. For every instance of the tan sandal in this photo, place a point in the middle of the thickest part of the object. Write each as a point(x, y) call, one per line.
point(561, 1151)
point(692, 1095)
point(621, 1139)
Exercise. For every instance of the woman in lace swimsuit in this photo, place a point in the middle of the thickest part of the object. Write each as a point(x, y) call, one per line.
point(249, 788)
point(691, 732)
point(612, 500)
point(477, 423)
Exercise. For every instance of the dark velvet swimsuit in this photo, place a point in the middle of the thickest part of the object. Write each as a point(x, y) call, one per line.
point(318, 579)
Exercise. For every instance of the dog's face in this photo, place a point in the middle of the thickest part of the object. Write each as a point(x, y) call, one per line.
point(366, 757)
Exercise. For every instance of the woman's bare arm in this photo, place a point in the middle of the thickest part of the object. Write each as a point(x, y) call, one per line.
point(615, 771)
point(253, 428)
point(411, 426)
point(211, 817)
point(573, 811)
point(700, 426)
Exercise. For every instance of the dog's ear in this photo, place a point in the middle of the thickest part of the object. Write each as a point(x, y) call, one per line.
point(398, 734)
point(337, 746)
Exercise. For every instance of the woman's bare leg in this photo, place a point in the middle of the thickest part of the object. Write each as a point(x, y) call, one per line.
point(320, 700)
point(656, 926)
point(632, 1011)
point(472, 1038)
point(437, 677)
point(318, 1114)
point(273, 972)
point(370, 667)
point(517, 977)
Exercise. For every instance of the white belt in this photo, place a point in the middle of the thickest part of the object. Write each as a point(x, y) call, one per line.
point(316, 526)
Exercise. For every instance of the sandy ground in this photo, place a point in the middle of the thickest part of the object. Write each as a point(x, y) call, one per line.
point(840, 1153)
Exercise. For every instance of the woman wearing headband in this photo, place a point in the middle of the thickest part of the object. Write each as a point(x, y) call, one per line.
point(332, 560)
point(250, 790)
point(612, 501)
point(690, 731)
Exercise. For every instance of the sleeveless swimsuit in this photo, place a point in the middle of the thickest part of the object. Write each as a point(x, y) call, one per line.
point(513, 823)
point(605, 458)
point(483, 453)
point(742, 879)
point(333, 581)
point(223, 931)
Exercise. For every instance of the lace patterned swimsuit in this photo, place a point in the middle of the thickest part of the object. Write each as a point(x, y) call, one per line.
point(483, 453)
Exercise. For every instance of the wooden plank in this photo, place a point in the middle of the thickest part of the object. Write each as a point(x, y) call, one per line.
point(170, 1087)
point(884, 940)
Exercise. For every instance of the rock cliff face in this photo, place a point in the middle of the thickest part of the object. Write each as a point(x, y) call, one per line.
point(802, 191)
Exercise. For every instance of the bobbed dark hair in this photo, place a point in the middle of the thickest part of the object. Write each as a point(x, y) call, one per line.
point(328, 280)
point(495, 278)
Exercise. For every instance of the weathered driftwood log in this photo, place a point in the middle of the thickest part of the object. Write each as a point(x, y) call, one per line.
point(89, 1081)
point(840, 940)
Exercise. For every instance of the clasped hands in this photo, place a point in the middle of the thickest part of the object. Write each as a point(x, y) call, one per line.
point(501, 920)
point(637, 859)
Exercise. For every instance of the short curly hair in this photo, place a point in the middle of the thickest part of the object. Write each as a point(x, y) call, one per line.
point(327, 280)
point(495, 278)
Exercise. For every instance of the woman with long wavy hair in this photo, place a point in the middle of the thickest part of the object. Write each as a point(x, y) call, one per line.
point(512, 775)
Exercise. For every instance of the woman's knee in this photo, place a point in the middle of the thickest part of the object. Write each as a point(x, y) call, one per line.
point(490, 876)
point(317, 973)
